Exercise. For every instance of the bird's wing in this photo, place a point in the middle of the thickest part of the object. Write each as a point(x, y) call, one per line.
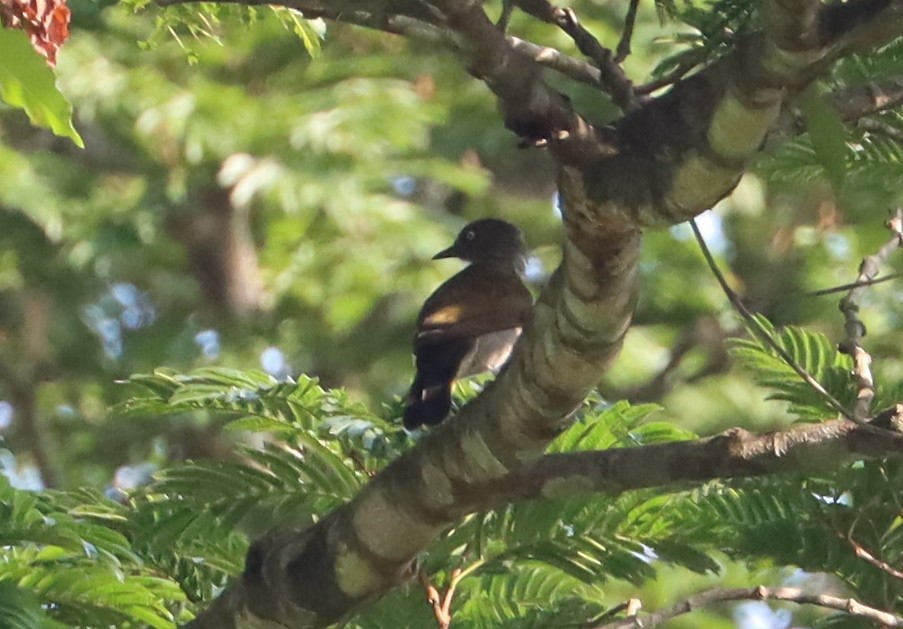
point(472, 303)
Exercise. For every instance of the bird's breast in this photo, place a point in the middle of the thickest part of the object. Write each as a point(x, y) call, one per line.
point(489, 353)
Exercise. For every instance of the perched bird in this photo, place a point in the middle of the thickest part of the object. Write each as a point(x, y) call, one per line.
point(471, 322)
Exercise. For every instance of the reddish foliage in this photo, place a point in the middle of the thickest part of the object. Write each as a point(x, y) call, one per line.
point(45, 21)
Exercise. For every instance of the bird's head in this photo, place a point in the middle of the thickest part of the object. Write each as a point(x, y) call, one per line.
point(489, 241)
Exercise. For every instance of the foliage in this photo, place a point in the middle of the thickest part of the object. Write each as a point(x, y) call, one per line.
point(67, 563)
point(528, 565)
point(26, 82)
point(811, 351)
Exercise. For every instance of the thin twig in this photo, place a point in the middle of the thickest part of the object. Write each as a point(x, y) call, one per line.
point(853, 327)
point(763, 334)
point(868, 557)
point(631, 607)
point(761, 593)
point(441, 603)
point(434, 599)
point(858, 549)
point(564, 64)
point(358, 460)
point(505, 16)
point(623, 49)
point(612, 74)
point(845, 287)
point(613, 79)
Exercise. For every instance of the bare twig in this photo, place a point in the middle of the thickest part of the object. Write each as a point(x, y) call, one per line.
point(505, 16)
point(358, 460)
point(868, 557)
point(613, 79)
point(567, 66)
point(761, 593)
point(631, 607)
point(435, 600)
point(441, 603)
point(623, 49)
point(763, 334)
point(845, 287)
point(621, 88)
point(858, 549)
point(853, 327)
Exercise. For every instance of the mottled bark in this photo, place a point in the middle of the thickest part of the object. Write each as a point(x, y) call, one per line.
point(667, 160)
point(738, 453)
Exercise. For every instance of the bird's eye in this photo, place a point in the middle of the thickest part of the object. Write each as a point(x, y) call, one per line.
point(470, 235)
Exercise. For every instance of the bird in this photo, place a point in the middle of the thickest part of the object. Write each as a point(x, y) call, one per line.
point(470, 323)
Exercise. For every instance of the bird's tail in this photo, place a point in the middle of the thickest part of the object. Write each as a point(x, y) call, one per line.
point(426, 403)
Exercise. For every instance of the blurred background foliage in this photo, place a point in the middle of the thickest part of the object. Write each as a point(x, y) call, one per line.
point(259, 191)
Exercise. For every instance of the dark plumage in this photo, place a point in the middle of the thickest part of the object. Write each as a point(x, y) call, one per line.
point(471, 322)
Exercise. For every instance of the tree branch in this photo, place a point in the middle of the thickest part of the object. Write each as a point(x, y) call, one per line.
point(567, 66)
point(623, 49)
point(663, 163)
point(613, 79)
point(531, 108)
point(685, 150)
point(862, 553)
point(737, 453)
point(853, 327)
point(863, 100)
point(761, 593)
point(441, 603)
point(845, 287)
point(766, 337)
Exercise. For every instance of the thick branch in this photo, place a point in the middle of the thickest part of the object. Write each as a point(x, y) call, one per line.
point(663, 163)
point(531, 108)
point(737, 453)
point(684, 151)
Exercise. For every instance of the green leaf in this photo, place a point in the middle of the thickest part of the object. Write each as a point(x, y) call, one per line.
point(19, 608)
point(829, 136)
point(310, 32)
point(812, 351)
point(28, 83)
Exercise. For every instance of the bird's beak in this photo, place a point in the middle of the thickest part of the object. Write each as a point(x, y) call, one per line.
point(451, 252)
